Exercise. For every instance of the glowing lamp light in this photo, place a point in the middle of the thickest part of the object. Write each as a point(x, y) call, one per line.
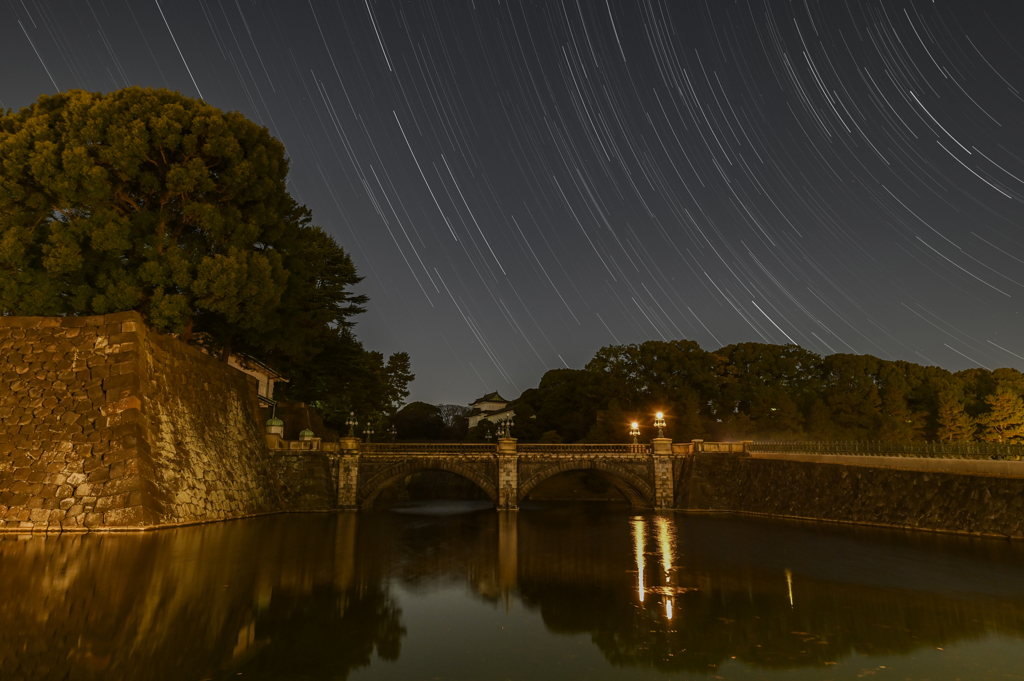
point(659, 423)
point(634, 431)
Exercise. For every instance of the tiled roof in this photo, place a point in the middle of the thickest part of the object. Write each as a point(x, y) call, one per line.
point(489, 397)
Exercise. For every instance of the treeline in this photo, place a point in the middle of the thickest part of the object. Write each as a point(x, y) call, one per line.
point(764, 392)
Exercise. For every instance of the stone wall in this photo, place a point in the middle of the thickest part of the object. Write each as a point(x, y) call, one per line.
point(990, 467)
point(105, 424)
point(307, 479)
point(200, 419)
point(949, 502)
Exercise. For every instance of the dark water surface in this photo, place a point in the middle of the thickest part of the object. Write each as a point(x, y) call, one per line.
point(450, 590)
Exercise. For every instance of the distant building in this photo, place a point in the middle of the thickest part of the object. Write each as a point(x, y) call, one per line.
point(491, 407)
point(266, 376)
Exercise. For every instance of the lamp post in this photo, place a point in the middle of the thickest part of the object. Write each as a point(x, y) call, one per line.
point(393, 432)
point(505, 428)
point(351, 422)
point(368, 431)
point(659, 423)
point(635, 432)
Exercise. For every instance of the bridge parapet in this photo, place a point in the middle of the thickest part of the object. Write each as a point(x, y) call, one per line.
point(425, 449)
point(583, 450)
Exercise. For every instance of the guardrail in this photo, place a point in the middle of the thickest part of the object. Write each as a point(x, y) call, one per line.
point(928, 450)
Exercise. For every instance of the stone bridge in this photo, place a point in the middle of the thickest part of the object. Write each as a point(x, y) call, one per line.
point(507, 472)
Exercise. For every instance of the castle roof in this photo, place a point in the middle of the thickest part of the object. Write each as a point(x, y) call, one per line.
point(489, 397)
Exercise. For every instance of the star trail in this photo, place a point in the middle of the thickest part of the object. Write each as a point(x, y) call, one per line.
point(522, 183)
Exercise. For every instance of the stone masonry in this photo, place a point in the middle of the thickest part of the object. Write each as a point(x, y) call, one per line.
point(104, 424)
point(991, 505)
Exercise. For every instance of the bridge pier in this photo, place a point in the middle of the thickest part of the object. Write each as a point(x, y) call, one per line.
point(348, 473)
point(508, 475)
point(664, 477)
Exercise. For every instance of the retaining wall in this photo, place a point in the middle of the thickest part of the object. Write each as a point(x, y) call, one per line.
point(988, 467)
point(106, 424)
point(307, 480)
point(950, 502)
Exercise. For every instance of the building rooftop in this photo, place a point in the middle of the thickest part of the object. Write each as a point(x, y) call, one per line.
point(489, 397)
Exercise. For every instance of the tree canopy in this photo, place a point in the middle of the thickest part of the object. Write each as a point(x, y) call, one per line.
point(755, 390)
point(143, 199)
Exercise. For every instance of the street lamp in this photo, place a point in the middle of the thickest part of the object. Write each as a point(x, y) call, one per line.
point(634, 430)
point(368, 431)
point(505, 428)
point(659, 423)
point(351, 422)
point(393, 432)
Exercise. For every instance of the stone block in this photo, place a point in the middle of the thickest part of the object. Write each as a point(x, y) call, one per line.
point(21, 487)
point(93, 519)
point(99, 475)
point(91, 463)
point(122, 337)
point(132, 516)
point(121, 485)
point(108, 503)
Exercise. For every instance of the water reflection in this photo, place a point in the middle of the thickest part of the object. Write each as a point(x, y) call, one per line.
point(317, 596)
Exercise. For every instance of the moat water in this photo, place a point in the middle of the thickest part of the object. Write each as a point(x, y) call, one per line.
point(454, 590)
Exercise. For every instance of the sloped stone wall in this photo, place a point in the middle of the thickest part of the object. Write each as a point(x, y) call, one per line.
point(105, 424)
point(948, 502)
point(204, 435)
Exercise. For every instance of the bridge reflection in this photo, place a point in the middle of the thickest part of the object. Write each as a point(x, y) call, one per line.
point(314, 596)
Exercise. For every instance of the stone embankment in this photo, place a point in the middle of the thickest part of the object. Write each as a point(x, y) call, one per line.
point(861, 491)
point(106, 424)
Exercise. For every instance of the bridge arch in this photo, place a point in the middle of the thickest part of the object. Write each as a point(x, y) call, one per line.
point(375, 485)
point(631, 485)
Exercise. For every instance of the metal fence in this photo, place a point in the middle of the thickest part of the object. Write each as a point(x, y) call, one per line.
point(928, 450)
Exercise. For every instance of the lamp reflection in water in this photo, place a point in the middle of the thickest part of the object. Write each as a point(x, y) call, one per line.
point(639, 542)
point(666, 542)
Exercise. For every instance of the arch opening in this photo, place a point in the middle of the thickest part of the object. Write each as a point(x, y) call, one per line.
point(587, 481)
point(426, 481)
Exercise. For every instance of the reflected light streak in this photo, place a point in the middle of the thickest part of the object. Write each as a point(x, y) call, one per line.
point(789, 584)
point(666, 533)
point(668, 608)
point(639, 541)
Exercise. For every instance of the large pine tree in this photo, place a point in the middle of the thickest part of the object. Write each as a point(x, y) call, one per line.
point(1004, 423)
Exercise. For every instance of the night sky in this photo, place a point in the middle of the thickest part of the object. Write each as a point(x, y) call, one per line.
point(522, 183)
